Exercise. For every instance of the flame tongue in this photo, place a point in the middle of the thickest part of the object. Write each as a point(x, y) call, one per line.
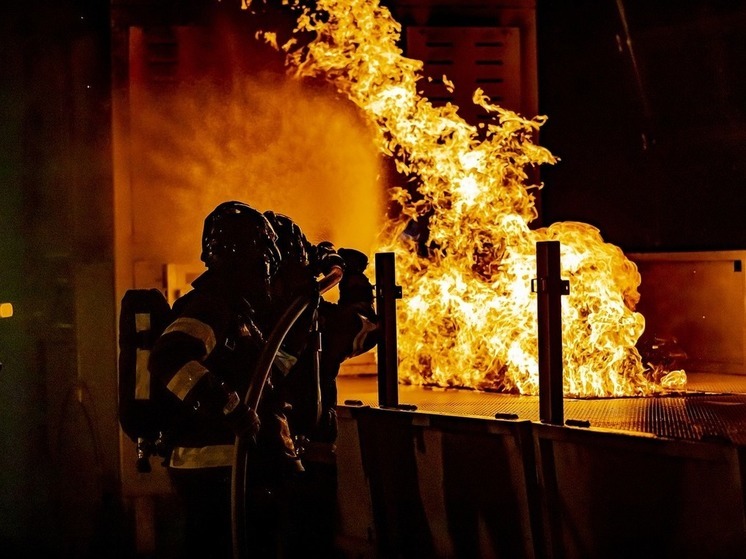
point(468, 318)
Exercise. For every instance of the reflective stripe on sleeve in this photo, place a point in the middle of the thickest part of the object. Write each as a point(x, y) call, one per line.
point(202, 457)
point(142, 375)
point(196, 329)
point(185, 379)
point(142, 321)
point(285, 361)
point(358, 344)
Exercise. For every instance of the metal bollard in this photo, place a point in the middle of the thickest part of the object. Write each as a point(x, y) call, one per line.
point(387, 292)
point(549, 288)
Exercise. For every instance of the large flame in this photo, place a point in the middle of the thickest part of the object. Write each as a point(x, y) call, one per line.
point(465, 253)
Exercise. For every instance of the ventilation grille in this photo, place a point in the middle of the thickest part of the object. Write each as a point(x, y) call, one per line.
point(161, 55)
point(488, 58)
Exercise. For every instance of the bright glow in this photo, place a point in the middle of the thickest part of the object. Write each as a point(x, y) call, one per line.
point(468, 318)
point(6, 310)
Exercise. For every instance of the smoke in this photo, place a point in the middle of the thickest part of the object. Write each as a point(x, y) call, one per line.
point(267, 140)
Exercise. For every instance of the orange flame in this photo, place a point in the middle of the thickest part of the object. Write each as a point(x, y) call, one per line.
point(468, 317)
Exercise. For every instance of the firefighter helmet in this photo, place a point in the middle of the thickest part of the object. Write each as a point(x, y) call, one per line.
point(291, 241)
point(235, 235)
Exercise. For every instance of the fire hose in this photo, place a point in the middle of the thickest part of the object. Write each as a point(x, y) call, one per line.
point(253, 397)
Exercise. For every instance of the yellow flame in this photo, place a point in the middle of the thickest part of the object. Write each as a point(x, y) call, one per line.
point(468, 317)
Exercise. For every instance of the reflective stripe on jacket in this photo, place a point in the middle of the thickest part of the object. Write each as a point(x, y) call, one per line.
point(212, 456)
point(209, 351)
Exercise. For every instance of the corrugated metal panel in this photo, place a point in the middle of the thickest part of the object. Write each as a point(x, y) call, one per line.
point(161, 51)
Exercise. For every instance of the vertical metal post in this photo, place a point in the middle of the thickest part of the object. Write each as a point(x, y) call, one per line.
point(549, 288)
point(387, 292)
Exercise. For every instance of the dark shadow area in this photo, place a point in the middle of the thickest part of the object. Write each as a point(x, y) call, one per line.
point(646, 104)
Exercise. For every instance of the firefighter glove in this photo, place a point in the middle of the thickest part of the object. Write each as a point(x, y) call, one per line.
point(327, 257)
point(242, 420)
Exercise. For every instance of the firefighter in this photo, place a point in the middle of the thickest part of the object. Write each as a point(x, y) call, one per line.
point(311, 357)
point(347, 328)
point(205, 358)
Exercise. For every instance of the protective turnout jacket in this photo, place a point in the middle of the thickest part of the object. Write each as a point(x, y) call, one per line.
point(209, 351)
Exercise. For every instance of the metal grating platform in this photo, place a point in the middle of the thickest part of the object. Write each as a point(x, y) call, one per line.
point(713, 408)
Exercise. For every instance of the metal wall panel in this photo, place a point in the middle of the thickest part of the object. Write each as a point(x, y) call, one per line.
point(698, 299)
point(488, 58)
point(612, 495)
point(436, 485)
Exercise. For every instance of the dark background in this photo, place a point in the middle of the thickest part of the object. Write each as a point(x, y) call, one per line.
point(653, 144)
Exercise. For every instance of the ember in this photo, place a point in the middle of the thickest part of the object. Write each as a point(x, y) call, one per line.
point(468, 318)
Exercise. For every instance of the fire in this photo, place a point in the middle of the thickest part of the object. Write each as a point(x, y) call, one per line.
point(464, 250)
